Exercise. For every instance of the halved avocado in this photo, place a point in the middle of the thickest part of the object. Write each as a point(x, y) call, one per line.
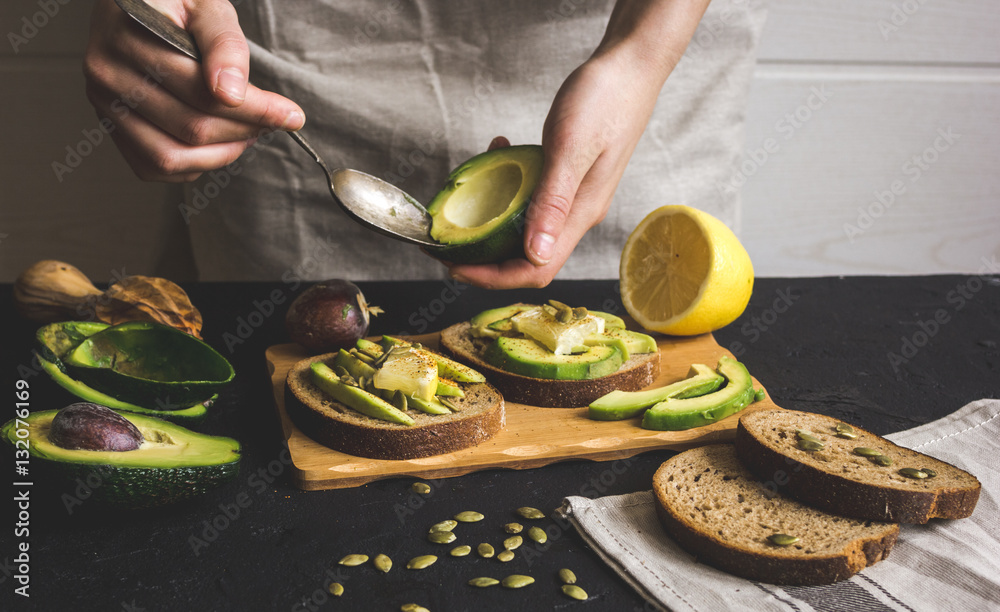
point(149, 364)
point(57, 339)
point(479, 215)
point(173, 463)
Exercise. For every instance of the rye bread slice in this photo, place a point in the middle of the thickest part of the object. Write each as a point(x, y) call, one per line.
point(637, 373)
point(716, 510)
point(481, 416)
point(840, 481)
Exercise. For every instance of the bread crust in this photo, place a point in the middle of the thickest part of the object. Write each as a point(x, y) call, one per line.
point(819, 482)
point(775, 567)
point(637, 373)
point(343, 429)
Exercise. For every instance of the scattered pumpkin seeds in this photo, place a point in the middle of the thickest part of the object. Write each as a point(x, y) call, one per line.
point(469, 516)
point(485, 550)
point(412, 607)
point(913, 473)
point(382, 563)
point(460, 551)
point(846, 431)
point(513, 542)
point(864, 451)
point(782, 539)
point(538, 535)
point(574, 592)
point(810, 445)
point(882, 460)
point(353, 560)
point(530, 513)
point(516, 581)
point(421, 487)
point(418, 563)
point(336, 589)
point(483, 582)
point(441, 537)
point(930, 473)
point(445, 525)
point(505, 555)
point(513, 527)
point(567, 576)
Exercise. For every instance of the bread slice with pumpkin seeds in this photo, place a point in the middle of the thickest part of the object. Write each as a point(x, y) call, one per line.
point(826, 463)
point(716, 509)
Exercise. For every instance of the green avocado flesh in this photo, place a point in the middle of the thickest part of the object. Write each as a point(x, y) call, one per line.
point(172, 464)
point(364, 402)
point(478, 216)
point(526, 357)
point(674, 414)
point(620, 405)
point(57, 339)
point(149, 364)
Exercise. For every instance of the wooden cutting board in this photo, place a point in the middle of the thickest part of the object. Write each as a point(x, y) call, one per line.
point(532, 438)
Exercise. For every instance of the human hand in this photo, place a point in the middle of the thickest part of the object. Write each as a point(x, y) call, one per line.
point(172, 118)
point(591, 130)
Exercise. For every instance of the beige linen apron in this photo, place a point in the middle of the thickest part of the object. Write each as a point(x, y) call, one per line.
point(408, 89)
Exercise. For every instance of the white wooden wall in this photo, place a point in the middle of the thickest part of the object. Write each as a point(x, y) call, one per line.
point(853, 100)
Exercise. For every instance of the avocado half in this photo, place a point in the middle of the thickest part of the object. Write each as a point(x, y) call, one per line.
point(173, 463)
point(479, 215)
point(56, 340)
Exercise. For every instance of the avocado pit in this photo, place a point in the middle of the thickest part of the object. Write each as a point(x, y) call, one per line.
point(87, 426)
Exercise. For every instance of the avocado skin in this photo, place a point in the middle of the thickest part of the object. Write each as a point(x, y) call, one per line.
point(128, 487)
point(506, 242)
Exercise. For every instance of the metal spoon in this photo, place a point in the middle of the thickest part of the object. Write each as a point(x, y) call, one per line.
point(370, 201)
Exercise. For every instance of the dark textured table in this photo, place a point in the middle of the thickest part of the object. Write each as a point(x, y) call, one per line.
point(883, 353)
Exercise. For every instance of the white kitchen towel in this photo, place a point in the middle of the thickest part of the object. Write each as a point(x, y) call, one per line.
point(944, 565)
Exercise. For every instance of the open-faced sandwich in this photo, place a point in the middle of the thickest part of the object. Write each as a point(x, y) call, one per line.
point(554, 355)
point(392, 399)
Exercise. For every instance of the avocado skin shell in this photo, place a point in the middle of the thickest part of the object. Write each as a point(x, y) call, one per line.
point(506, 242)
point(125, 487)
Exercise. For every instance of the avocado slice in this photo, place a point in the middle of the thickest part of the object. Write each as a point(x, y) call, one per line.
point(173, 463)
point(142, 362)
point(358, 399)
point(634, 342)
point(620, 405)
point(678, 414)
point(55, 340)
point(610, 321)
point(526, 357)
point(478, 216)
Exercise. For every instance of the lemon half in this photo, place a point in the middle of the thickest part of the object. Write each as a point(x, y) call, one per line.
point(683, 272)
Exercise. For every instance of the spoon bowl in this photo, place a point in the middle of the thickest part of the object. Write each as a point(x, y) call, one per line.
point(369, 200)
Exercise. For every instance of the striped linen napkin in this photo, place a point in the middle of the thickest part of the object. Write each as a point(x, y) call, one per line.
point(944, 565)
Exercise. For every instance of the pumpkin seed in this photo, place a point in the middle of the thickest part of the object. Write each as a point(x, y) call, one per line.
point(445, 525)
point(575, 592)
point(341, 371)
point(930, 473)
point(399, 400)
point(461, 551)
point(418, 563)
point(441, 537)
point(564, 314)
point(412, 607)
point(382, 563)
point(567, 576)
point(844, 428)
point(469, 516)
point(807, 436)
point(538, 535)
point(882, 460)
point(513, 542)
point(336, 589)
point(864, 451)
point(847, 435)
point(505, 555)
point(516, 581)
point(378, 362)
point(810, 445)
point(580, 312)
point(483, 582)
point(365, 357)
point(362, 381)
point(782, 539)
point(421, 487)
point(513, 527)
point(485, 550)
point(913, 473)
point(354, 560)
point(530, 513)
point(449, 404)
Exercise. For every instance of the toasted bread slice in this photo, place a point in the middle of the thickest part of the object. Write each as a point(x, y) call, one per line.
point(481, 415)
point(638, 372)
point(837, 479)
point(716, 510)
